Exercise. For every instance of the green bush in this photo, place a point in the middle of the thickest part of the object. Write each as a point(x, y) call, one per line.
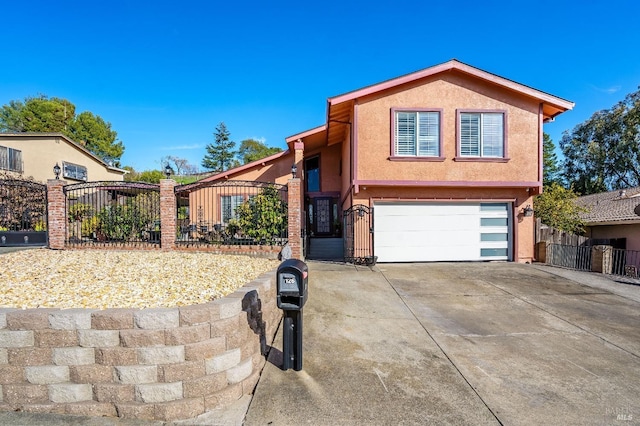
point(263, 217)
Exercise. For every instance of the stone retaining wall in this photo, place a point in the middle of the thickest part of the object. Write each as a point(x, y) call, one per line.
point(158, 364)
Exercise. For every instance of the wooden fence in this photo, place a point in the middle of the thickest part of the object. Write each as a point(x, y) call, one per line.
point(555, 236)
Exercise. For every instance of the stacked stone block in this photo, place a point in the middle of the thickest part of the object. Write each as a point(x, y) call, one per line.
point(157, 364)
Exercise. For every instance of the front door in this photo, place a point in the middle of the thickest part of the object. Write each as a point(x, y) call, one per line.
point(321, 217)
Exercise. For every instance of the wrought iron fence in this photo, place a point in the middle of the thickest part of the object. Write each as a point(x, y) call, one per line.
point(231, 212)
point(23, 212)
point(574, 257)
point(358, 235)
point(625, 262)
point(126, 213)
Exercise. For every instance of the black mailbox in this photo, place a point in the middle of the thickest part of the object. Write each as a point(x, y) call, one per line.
point(292, 288)
point(292, 285)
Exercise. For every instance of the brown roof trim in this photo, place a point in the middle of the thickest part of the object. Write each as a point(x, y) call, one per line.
point(304, 134)
point(69, 141)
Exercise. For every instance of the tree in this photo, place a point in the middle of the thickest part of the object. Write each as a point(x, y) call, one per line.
point(252, 150)
point(551, 169)
point(603, 153)
point(37, 114)
point(220, 154)
point(149, 176)
point(44, 114)
point(96, 135)
point(180, 166)
point(555, 207)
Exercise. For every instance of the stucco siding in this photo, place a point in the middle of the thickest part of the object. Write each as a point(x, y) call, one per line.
point(278, 171)
point(448, 92)
point(40, 154)
point(630, 232)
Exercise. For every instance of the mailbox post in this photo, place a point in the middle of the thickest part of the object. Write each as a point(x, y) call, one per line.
point(292, 291)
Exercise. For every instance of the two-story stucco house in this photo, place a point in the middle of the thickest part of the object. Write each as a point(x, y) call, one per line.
point(445, 161)
point(35, 155)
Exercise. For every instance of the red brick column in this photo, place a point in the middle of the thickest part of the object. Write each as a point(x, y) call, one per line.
point(56, 213)
point(168, 211)
point(294, 214)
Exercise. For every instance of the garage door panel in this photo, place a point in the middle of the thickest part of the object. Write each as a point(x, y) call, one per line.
point(434, 223)
point(432, 231)
point(424, 239)
point(433, 254)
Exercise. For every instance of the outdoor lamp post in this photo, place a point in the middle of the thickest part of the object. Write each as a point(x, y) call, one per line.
point(167, 171)
point(56, 171)
point(294, 170)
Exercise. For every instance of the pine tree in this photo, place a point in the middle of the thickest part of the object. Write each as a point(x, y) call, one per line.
point(220, 154)
point(551, 169)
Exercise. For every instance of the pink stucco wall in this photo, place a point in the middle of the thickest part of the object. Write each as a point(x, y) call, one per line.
point(630, 232)
point(448, 92)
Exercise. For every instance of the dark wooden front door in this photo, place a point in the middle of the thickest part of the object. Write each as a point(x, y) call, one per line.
point(321, 216)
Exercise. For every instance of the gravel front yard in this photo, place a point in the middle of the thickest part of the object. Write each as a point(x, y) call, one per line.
point(104, 279)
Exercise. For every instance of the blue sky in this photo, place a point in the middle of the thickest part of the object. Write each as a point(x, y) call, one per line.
point(164, 74)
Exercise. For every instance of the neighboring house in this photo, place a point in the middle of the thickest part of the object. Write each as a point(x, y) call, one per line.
point(35, 155)
point(447, 158)
point(613, 218)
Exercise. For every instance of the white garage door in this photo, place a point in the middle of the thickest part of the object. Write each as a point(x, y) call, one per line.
point(430, 231)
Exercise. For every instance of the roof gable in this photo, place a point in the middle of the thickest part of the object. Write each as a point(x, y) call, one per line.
point(558, 103)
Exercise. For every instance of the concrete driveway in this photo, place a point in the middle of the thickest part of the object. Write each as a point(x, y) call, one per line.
point(459, 343)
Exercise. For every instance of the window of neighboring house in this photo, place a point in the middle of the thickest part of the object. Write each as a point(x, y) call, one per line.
point(312, 176)
point(10, 159)
point(416, 134)
point(228, 206)
point(74, 171)
point(481, 134)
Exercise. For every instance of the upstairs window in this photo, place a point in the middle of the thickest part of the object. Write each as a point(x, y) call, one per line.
point(416, 134)
point(481, 134)
point(10, 159)
point(74, 171)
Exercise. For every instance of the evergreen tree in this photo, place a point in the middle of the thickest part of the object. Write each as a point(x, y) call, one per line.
point(220, 154)
point(44, 114)
point(551, 169)
point(253, 150)
point(603, 153)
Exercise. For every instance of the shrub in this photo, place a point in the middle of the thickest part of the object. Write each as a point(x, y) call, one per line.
point(263, 217)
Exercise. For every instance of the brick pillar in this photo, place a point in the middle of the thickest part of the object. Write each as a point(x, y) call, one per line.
point(294, 222)
point(56, 213)
point(168, 212)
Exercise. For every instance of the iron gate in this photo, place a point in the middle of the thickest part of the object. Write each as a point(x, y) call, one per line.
point(231, 212)
point(23, 213)
point(358, 235)
point(121, 213)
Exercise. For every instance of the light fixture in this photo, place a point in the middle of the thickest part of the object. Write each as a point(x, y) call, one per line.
point(167, 171)
point(294, 170)
point(56, 171)
point(527, 211)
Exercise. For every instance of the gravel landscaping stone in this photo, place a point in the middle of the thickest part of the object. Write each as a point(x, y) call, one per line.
point(101, 279)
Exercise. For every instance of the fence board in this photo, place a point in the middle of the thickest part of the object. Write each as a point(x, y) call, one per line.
point(557, 236)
